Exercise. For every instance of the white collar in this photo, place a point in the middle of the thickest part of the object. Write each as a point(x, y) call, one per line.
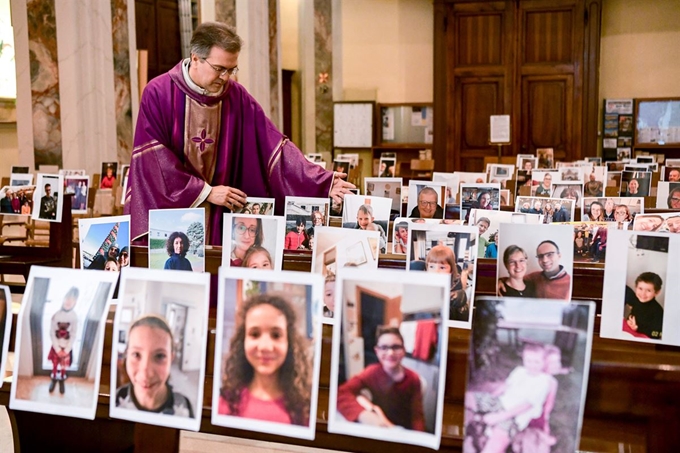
point(187, 78)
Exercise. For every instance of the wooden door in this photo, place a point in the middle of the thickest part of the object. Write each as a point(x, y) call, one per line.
point(533, 59)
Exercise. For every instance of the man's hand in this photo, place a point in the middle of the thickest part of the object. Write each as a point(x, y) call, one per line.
point(230, 197)
point(340, 187)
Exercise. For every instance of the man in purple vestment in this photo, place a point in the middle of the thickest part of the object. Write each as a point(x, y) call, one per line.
point(203, 140)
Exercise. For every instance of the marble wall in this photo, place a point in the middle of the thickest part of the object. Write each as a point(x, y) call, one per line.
point(275, 64)
point(225, 11)
point(323, 69)
point(121, 74)
point(44, 67)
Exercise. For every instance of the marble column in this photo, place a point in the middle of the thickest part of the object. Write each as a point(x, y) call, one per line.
point(323, 70)
point(276, 94)
point(225, 11)
point(45, 99)
point(122, 77)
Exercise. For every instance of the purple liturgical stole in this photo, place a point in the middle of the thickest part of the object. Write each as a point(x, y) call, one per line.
point(184, 140)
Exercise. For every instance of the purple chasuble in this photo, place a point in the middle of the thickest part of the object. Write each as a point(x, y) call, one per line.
point(184, 140)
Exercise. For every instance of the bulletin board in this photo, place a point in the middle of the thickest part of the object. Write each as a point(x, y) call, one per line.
point(353, 124)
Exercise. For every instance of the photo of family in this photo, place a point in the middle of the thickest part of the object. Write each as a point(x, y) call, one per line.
point(177, 239)
point(159, 347)
point(254, 241)
point(388, 365)
point(338, 248)
point(611, 209)
point(554, 210)
point(59, 341)
point(303, 216)
point(104, 243)
point(48, 192)
point(535, 261)
point(590, 240)
point(362, 212)
point(449, 250)
point(267, 352)
point(527, 375)
point(640, 282)
point(16, 200)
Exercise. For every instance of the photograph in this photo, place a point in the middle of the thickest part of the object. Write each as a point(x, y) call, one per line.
point(479, 196)
point(76, 187)
point(635, 183)
point(267, 352)
point(363, 212)
point(467, 177)
point(255, 241)
point(16, 200)
point(387, 188)
point(388, 361)
point(640, 284)
point(568, 191)
point(18, 169)
point(342, 166)
point(535, 261)
point(667, 222)
point(104, 243)
point(177, 239)
point(400, 228)
point(595, 181)
point(500, 173)
point(303, 216)
point(47, 190)
point(59, 341)
point(527, 162)
point(426, 199)
point(387, 166)
point(527, 375)
point(590, 240)
point(670, 174)
point(108, 175)
point(668, 195)
point(314, 157)
point(623, 153)
point(488, 222)
point(506, 199)
point(451, 204)
point(5, 327)
point(611, 209)
point(338, 248)
point(545, 157)
point(158, 356)
point(125, 169)
point(450, 250)
point(258, 206)
point(554, 210)
point(20, 179)
point(542, 181)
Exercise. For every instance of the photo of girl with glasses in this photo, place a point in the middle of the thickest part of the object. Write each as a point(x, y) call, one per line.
point(388, 385)
point(253, 241)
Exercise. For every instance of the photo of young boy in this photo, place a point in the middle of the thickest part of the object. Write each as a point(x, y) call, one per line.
point(639, 281)
point(368, 213)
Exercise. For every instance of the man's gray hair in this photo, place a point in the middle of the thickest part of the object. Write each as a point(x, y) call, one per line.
point(214, 34)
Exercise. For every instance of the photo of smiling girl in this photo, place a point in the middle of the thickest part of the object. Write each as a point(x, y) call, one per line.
point(265, 353)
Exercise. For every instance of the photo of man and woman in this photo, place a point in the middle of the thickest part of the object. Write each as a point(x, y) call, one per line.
point(104, 243)
point(450, 250)
point(177, 239)
point(159, 347)
point(527, 375)
point(59, 342)
point(254, 241)
point(76, 187)
point(639, 281)
point(388, 360)
point(267, 352)
point(535, 261)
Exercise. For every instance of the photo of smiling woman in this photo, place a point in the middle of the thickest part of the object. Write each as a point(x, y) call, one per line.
point(256, 241)
point(265, 351)
point(177, 247)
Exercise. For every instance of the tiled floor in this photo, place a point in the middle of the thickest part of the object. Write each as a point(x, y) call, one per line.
point(79, 392)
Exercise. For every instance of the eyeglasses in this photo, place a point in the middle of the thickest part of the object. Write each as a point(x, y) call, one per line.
point(548, 255)
point(429, 204)
point(223, 71)
point(241, 229)
point(675, 200)
point(392, 347)
point(516, 262)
